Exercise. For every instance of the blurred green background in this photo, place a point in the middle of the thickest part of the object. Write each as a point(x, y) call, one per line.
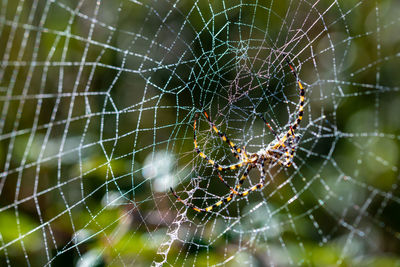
point(97, 103)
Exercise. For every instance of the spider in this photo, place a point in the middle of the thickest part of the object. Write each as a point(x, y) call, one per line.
point(281, 151)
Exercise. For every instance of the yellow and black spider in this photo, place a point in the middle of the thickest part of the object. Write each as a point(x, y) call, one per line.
point(281, 150)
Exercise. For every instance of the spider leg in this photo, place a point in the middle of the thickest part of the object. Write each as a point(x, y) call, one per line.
point(235, 150)
point(289, 154)
point(223, 200)
point(289, 157)
point(241, 180)
point(270, 128)
point(216, 165)
point(299, 118)
point(257, 186)
point(301, 107)
point(212, 162)
point(209, 208)
point(302, 93)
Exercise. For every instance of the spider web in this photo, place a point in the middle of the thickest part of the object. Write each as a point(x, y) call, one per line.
point(97, 104)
